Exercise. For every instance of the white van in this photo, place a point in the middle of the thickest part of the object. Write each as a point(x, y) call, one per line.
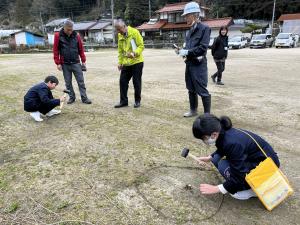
point(285, 40)
point(237, 42)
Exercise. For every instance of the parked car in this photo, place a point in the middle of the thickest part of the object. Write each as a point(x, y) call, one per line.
point(285, 40)
point(261, 40)
point(238, 42)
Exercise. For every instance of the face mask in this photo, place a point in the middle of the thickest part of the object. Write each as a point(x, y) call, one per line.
point(210, 141)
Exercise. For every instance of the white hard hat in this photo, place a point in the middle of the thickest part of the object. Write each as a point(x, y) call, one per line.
point(192, 7)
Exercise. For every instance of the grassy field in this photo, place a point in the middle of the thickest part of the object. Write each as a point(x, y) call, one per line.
point(98, 165)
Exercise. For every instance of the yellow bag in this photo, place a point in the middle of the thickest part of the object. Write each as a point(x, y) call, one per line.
point(268, 182)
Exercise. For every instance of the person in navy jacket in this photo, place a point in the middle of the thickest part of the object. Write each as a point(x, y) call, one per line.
point(241, 154)
point(194, 52)
point(39, 99)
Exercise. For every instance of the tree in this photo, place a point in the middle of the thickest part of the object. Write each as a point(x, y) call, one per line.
point(68, 7)
point(120, 7)
point(22, 12)
point(136, 12)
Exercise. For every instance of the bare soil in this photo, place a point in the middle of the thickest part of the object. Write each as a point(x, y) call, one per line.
point(94, 164)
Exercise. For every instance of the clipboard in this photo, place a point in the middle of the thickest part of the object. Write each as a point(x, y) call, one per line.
point(133, 44)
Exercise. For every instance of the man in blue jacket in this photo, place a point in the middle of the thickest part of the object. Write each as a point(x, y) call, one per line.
point(194, 52)
point(39, 99)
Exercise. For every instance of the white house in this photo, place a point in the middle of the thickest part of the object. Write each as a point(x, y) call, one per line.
point(99, 32)
point(171, 24)
point(290, 23)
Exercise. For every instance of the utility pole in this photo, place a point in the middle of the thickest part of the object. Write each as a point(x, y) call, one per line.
point(273, 17)
point(42, 22)
point(112, 22)
point(150, 9)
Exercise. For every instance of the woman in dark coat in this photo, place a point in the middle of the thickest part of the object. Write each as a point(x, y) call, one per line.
point(241, 152)
point(219, 51)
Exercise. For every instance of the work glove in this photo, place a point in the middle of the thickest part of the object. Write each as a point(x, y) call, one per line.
point(183, 52)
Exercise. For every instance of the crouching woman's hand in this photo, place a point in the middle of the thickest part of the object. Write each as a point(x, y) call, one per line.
point(207, 189)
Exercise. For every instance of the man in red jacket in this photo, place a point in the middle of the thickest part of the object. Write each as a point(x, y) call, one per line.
point(67, 49)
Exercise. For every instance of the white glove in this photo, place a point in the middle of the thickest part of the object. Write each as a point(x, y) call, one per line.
point(183, 52)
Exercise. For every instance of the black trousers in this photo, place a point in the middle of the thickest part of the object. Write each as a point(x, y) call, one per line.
point(221, 67)
point(135, 72)
point(43, 108)
point(196, 82)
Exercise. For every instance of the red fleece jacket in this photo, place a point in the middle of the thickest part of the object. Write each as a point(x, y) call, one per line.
point(58, 59)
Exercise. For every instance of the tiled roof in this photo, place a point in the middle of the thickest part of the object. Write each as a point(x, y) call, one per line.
point(56, 22)
point(176, 26)
point(84, 25)
point(100, 25)
point(155, 26)
point(216, 23)
point(164, 25)
point(175, 7)
point(295, 16)
point(172, 7)
point(26, 31)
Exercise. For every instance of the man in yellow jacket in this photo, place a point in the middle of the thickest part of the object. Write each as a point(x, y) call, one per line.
point(131, 61)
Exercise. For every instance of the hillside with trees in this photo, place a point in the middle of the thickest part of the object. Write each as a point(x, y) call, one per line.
point(33, 13)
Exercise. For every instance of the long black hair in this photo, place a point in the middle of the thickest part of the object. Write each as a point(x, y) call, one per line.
point(223, 28)
point(207, 124)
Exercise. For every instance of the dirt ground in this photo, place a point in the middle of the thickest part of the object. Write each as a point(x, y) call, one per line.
point(98, 165)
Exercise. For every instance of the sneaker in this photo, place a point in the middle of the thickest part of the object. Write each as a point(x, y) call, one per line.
point(244, 195)
point(220, 83)
point(36, 116)
point(53, 112)
point(190, 114)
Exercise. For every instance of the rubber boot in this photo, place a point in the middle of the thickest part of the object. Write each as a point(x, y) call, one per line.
point(193, 97)
point(206, 101)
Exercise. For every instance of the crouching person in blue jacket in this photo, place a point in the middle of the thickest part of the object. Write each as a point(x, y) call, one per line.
point(39, 99)
point(236, 155)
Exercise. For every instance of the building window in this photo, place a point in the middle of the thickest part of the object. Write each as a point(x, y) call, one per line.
point(179, 18)
point(171, 18)
point(163, 16)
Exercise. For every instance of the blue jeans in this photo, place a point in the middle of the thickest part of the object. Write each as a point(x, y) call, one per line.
point(68, 70)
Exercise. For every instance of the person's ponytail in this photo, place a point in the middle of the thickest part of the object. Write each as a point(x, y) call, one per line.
point(225, 122)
